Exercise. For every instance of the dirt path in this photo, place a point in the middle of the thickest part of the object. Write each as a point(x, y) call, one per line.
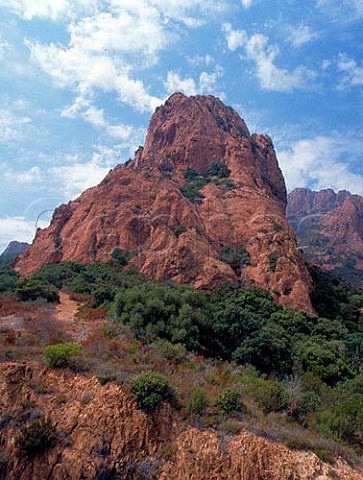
point(67, 308)
point(65, 312)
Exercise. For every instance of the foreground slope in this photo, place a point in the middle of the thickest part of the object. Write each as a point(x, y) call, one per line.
point(101, 435)
point(329, 228)
point(201, 192)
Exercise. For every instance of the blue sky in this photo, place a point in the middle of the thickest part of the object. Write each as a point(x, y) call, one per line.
point(79, 80)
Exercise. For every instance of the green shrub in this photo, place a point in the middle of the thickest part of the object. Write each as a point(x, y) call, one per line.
point(219, 169)
point(102, 295)
point(230, 185)
point(190, 174)
point(37, 437)
point(61, 354)
point(273, 257)
point(8, 278)
point(228, 401)
point(272, 396)
point(173, 351)
point(197, 402)
point(121, 257)
point(31, 289)
point(234, 257)
point(191, 192)
point(149, 389)
point(176, 313)
point(166, 167)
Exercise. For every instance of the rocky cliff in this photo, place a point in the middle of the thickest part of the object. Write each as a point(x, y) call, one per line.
point(329, 228)
point(14, 248)
point(101, 435)
point(202, 202)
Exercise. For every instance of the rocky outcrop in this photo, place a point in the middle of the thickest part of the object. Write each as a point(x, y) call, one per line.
point(101, 435)
point(177, 215)
point(14, 248)
point(329, 228)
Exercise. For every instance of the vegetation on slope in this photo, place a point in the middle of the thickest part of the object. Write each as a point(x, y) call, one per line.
point(235, 353)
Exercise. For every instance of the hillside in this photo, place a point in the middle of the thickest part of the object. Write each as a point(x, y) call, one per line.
point(329, 228)
point(203, 202)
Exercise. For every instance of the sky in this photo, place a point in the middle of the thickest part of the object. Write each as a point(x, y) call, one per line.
point(79, 80)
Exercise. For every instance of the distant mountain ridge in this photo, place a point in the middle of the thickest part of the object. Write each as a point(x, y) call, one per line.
point(329, 228)
point(15, 248)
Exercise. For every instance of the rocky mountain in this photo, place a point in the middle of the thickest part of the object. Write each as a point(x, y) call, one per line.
point(14, 248)
point(329, 227)
point(102, 435)
point(202, 202)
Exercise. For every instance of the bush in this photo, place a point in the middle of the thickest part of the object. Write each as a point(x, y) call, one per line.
point(31, 289)
point(173, 352)
point(190, 174)
point(37, 437)
point(228, 401)
point(197, 402)
point(272, 396)
point(61, 354)
point(219, 169)
point(8, 278)
point(121, 257)
point(234, 257)
point(102, 295)
point(172, 312)
point(149, 389)
point(191, 192)
point(273, 257)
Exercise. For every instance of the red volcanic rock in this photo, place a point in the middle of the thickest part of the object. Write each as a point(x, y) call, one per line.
point(148, 206)
point(329, 228)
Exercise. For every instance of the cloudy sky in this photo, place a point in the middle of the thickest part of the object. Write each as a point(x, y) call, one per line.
point(79, 80)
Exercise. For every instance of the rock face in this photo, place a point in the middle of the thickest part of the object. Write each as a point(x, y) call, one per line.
point(101, 435)
point(329, 228)
point(14, 248)
point(178, 216)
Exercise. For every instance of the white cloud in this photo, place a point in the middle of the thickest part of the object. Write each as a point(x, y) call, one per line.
point(263, 55)
point(12, 126)
point(188, 86)
point(107, 49)
point(85, 73)
point(18, 228)
point(299, 35)
point(322, 162)
point(76, 177)
point(82, 108)
point(25, 177)
point(200, 60)
point(208, 81)
point(352, 72)
point(270, 76)
point(342, 10)
point(52, 9)
point(234, 38)
point(174, 83)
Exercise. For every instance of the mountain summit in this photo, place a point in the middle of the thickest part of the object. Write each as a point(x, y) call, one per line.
point(203, 202)
point(15, 248)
